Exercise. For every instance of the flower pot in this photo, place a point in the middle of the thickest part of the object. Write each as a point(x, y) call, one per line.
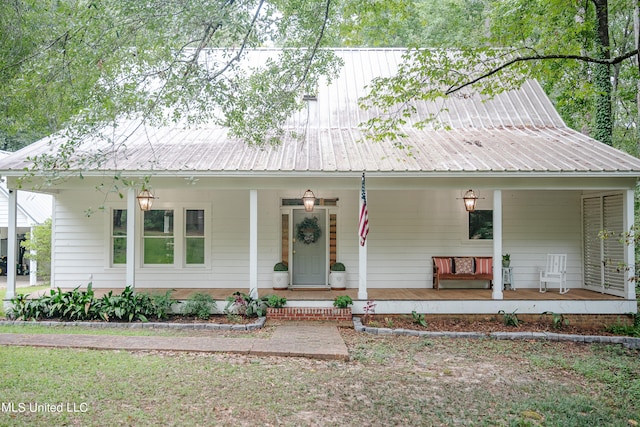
point(338, 280)
point(506, 263)
point(280, 280)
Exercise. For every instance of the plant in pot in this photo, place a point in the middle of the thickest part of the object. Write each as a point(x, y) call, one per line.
point(338, 276)
point(280, 276)
point(506, 260)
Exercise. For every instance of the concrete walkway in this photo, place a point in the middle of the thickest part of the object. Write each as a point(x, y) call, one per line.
point(311, 340)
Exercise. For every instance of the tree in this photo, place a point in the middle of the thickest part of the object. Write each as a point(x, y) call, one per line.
point(576, 50)
point(80, 64)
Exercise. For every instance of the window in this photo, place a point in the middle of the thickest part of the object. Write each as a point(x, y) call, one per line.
point(194, 236)
point(481, 225)
point(158, 237)
point(119, 236)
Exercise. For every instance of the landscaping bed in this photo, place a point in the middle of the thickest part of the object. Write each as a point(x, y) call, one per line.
point(576, 325)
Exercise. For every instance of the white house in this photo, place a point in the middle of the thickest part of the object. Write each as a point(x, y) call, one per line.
point(225, 213)
point(32, 209)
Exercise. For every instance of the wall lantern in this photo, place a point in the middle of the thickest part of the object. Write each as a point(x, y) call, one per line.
point(309, 199)
point(470, 200)
point(145, 200)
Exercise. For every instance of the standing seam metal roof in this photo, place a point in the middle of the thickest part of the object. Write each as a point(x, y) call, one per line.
point(517, 131)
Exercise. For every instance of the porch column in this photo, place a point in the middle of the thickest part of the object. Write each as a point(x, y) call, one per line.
point(629, 248)
point(497, 245)
point(132, 213)
point(12, 250)
point(253, 243)
point(33, 266)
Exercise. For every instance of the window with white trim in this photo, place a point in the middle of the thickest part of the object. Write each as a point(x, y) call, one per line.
point(159, 242)
point(119, 236)
point(194, 237)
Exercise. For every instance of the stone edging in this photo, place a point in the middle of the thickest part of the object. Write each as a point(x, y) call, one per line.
point(142, 325)
point(628, 342)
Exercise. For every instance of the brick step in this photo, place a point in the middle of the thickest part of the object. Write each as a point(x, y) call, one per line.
point(310, 313)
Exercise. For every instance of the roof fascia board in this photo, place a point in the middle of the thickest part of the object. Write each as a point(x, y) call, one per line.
point(352, 181)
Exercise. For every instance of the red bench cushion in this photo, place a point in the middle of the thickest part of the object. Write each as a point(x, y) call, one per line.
point(484, 265)
point(443, 264)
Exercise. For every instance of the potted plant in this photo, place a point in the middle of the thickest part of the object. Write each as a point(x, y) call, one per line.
point(280, 276)
point(338, 276)
point(506, 260)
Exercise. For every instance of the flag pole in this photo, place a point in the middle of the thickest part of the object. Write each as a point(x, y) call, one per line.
point(363, 231)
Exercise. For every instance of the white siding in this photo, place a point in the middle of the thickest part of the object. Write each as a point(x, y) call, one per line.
point(407, 229)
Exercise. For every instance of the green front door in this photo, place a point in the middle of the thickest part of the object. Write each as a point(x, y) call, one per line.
point(309, 248)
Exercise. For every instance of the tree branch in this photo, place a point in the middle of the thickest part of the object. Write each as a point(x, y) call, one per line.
point(507, 64)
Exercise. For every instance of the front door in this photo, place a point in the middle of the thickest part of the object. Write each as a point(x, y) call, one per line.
point(309, 248)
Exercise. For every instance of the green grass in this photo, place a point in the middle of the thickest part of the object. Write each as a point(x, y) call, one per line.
point(21, 290)
point(392, 381)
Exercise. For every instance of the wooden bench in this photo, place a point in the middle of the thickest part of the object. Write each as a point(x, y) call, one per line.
point(462, 268)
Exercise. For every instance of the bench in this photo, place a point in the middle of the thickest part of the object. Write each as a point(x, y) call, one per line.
point(462, 268)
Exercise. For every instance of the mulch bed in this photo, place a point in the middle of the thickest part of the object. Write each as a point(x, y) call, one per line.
point(484, 325)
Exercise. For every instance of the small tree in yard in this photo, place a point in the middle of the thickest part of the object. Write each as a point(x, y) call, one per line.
point(38, 248)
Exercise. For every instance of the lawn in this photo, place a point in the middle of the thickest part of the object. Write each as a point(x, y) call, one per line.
point(391, 380)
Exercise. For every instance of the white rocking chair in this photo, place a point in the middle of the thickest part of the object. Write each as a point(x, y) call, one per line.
point(555, 272)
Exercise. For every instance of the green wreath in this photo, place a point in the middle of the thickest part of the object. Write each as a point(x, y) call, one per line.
point(308, 231)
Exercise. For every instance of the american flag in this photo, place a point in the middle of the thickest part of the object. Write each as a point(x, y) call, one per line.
point(363, 222)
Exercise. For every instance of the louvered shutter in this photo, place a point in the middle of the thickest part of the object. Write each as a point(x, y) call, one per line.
point(603, 258)
point(591, 226)
point(613, 248)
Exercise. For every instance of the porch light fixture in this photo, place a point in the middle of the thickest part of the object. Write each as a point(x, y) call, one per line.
point(308, 199)
point(470, 200)
point(145, 200)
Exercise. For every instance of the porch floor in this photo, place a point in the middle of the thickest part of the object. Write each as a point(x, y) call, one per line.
point(387, 294)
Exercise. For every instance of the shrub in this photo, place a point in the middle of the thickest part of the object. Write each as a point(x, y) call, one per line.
point(83, 305)
point(419, 319)
point(200, 305)
point(510, 319)
point(342, 301)
point(162, 304)
point(275, 301)
point(245, 305)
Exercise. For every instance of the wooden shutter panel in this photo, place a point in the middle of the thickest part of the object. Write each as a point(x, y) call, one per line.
point(591, 226)
point(613, 248)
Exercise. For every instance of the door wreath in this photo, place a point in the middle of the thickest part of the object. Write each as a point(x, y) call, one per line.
point(308, 231)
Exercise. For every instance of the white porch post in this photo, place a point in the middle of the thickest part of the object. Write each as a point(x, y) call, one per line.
point(12, 250)
point(629, 249)
point(132, 213)
point(497, 245)
point(33, 266)
point(362, 272)
point(253, 243)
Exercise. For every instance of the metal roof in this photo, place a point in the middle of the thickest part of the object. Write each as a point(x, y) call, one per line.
point(517, 132)
point(36, 207)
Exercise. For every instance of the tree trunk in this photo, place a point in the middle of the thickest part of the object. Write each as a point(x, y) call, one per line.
point(636, 37)
point(603, 126)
